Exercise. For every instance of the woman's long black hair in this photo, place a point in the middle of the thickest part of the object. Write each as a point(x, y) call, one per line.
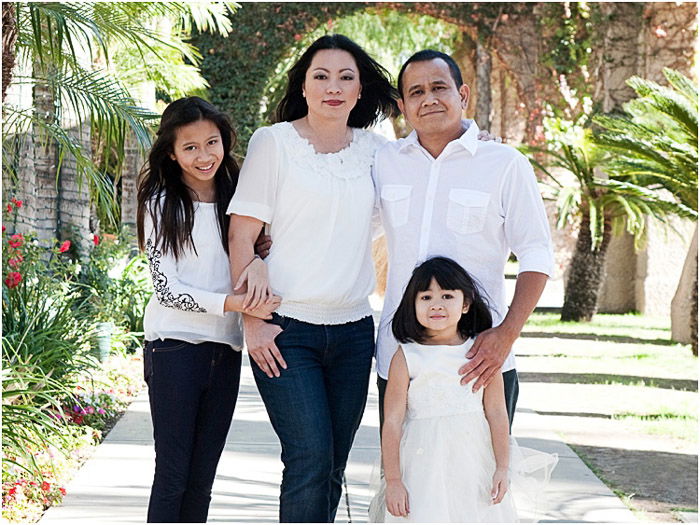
point(378, 95)
point(173, 215)
point(449, 276)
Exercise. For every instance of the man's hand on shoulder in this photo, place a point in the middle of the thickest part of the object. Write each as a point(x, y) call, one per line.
point(487, 354)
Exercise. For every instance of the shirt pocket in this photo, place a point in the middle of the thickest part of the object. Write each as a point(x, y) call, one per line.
point(396, 200)
point(466, 211)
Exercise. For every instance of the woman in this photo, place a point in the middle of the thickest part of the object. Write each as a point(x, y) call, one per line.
point(308, 178)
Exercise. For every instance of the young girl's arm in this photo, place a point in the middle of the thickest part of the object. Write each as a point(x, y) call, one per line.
point(497, 416)
point(394, 412)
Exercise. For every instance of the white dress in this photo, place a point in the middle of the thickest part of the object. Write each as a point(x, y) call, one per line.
point(447, 459)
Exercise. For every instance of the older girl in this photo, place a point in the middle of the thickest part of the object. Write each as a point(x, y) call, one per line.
point(192, 358)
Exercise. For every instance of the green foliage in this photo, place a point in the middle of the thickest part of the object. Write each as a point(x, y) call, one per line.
point(570, 27)
point(67, 50)
point(655, 144)
point(601, 196)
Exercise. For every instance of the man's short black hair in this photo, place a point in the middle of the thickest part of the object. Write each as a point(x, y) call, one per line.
point(431, 54)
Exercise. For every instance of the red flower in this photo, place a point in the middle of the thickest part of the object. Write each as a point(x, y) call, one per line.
point(16, 240)
point(13, 279)
point(9, 208)
point(12, 491)
point(78, 419)
point(63, 491)
point(95, 239)
point(65, 246)
point(18, 203)
point(14, 263)
point(297, 37)
point(3, 228)
point(46, 486)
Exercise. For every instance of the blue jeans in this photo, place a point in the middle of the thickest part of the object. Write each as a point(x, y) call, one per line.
point(192, 389)
point(315, 407)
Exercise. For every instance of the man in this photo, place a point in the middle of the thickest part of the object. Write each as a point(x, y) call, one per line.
point(443, 192)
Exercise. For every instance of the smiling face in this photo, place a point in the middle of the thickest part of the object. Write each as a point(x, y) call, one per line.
point(431, 102)
point(332, 84)
point(198, 150)
point(439, 312)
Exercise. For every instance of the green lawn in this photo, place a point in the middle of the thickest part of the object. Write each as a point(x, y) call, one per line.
point(621, 367)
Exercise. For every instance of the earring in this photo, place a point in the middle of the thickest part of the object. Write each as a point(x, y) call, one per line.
point(359, 96)
point(303, 94)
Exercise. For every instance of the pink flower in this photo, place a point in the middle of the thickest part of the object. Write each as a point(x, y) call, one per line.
point(95, 239)
point(101, 411)
point(297, 37)
point(14, 263)
point(16, 240)
point(13, 279)
point(65, 246)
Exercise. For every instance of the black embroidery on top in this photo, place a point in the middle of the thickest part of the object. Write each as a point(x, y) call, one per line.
point(184, 301)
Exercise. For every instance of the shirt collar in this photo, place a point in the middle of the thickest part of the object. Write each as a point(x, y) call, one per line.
point(468, 140)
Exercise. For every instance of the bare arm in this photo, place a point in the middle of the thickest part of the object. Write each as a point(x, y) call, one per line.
point(259, 335)
point(394, 413)
point(497, 416)
point(492, 346)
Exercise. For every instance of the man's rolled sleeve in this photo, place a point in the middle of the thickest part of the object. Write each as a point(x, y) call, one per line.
point(526, 226)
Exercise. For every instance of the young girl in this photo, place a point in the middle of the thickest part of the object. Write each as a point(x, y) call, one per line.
point(192, 357)
point(449, 461)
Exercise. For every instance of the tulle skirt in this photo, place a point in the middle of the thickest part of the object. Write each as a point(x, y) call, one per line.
point(447, 466)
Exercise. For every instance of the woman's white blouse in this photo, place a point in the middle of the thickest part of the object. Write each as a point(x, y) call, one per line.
point(189, 293)
point(319, 208)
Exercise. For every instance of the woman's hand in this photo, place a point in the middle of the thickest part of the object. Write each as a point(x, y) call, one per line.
point(254, 276)
point(396, 498)
point(500, 485)
point(260, 341)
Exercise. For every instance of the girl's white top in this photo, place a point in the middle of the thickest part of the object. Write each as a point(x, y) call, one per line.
point(319, 210)
point(188, 303)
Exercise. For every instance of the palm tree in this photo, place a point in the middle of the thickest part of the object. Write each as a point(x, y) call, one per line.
point(655, 144)
point(61, 41)
point(602, 203)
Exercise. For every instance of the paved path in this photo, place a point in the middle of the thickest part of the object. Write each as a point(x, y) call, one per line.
point(113, 486)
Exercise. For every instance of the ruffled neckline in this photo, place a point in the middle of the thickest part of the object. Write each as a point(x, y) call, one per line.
point(353, 161)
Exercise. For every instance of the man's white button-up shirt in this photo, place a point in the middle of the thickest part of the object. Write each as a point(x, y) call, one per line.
point(475, 203)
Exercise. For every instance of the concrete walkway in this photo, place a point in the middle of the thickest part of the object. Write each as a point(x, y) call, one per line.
point(113, 486)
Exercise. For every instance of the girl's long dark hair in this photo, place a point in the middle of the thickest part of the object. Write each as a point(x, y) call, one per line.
point(449, 276)
point(173, 215)
point(378, 95)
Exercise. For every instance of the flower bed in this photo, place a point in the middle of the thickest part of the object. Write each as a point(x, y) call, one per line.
point(97, 403)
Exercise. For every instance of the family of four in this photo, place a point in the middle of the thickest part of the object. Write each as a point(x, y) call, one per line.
point(320, 184)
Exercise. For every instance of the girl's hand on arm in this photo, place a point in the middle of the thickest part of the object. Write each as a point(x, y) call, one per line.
point(235, 303)
point(394, 413)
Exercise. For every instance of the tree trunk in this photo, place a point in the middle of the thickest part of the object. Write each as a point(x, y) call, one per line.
point(133, 161)
point(483, 86)
point(586, 274)
point(45, 158)
point(9, 38)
